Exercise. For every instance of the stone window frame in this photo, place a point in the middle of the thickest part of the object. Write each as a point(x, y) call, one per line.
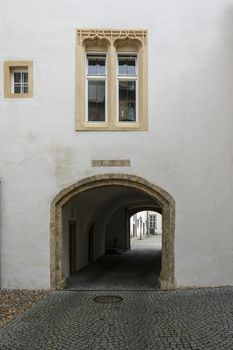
point(111, 42)
point(19, 65)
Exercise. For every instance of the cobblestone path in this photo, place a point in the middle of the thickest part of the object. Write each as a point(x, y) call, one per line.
point(135, 269)
point(198, 319)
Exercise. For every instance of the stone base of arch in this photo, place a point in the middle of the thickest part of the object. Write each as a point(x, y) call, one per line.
point(167, 203)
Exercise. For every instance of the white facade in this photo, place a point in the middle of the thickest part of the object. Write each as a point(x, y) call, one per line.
point(145, 223)
point(187, 150)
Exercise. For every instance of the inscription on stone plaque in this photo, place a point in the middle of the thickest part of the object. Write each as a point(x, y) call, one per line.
point(110, 163)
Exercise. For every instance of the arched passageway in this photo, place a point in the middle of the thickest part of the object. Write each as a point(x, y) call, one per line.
point(92, 216)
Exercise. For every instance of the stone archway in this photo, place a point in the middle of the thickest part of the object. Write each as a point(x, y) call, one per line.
point(164, 199)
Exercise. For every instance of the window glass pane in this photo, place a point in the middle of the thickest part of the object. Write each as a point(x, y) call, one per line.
point(153, 221)
point(25, 88)
point(127, 65)
point(96, 65)
point(96, 101)
point(20, 82)
point(91, 66)
point(127, 101)
point(17, 77)
point(17, 89)
point(25, 77)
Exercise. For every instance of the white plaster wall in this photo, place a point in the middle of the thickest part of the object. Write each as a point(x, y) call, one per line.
point(187, 150)
point(81, 210)
point(91, 207)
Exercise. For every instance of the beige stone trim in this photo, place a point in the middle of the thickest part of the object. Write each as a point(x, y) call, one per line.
point(112, 35)
point(162, 197)
point(111, 41)
point(7, 78)
point(110, 163)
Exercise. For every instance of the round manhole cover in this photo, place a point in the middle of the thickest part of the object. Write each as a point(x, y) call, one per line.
point(108, 299)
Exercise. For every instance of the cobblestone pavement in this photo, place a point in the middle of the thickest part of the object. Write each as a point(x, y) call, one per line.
point(198, 319)
point(138, 268)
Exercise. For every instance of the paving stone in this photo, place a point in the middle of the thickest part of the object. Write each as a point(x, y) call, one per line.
point(136, 269)
point(198, 319)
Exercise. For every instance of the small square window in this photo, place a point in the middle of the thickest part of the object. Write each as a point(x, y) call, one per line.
point(17, 79)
